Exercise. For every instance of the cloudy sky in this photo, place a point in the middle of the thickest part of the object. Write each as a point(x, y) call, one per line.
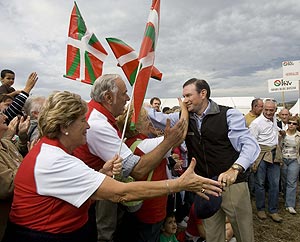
point(235, 45)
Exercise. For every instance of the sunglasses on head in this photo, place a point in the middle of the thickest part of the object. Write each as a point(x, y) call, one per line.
point(293, 123)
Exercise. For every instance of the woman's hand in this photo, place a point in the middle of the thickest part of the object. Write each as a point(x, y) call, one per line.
point(31, 144)
point(179, 162)
point(12, 128)
point(24, 125)
point(198, 184)
point(112, 167)
point(178, 132)
point(184, 114)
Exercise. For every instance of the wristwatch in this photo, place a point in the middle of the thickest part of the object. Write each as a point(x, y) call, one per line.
point(237, 167)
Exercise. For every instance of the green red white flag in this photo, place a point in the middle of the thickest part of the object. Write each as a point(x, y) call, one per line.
point(85, 54)
point(146, 58)
point(128, 60)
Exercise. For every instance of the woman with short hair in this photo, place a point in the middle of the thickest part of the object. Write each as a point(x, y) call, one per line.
point(290, 146)
point(54, 189)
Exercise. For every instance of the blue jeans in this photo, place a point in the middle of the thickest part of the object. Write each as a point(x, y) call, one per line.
point(272, 172)
point(290, 172)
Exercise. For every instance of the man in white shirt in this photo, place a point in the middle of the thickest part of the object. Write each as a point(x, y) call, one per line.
point(265, 130)
point(108, 100)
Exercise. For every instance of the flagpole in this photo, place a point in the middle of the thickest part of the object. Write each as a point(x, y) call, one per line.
point(128, 110)
point(143, 53)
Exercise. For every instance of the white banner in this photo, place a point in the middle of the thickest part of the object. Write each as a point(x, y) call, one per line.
point(291, 70)
point(281, 85)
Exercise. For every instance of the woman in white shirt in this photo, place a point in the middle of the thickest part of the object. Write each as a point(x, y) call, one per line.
point(290, 169)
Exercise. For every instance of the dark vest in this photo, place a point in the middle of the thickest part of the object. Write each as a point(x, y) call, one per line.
point(211, 147)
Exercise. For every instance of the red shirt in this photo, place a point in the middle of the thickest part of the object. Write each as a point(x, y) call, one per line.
point(193, 222)
point(39, 212)
point(153, 210)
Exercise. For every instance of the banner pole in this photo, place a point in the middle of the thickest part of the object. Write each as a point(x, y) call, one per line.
point(299, 88)
point(283, 104)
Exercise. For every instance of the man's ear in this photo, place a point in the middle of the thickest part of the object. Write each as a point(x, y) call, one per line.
point(108, 97)
point(203, 92)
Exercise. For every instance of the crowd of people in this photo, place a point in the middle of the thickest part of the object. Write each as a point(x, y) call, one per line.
point(51, 193)
point(275, 171)
point(77, 171)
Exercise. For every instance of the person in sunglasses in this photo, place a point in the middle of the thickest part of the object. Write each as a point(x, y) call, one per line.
point(290, 146)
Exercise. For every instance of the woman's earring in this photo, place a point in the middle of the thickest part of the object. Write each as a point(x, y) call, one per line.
point(67, 133)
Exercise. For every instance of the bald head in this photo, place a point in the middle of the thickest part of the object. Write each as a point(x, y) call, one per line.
point(257, 106)
point(270, 107)
point(110, 90)
point(284, 115)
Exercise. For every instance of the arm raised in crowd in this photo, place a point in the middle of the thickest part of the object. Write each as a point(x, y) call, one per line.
point(16, 107)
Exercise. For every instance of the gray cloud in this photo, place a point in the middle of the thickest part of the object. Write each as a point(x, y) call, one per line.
point(236, 45)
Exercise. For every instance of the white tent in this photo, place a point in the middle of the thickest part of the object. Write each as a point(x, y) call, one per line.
point(243, 104)
point(296, 108)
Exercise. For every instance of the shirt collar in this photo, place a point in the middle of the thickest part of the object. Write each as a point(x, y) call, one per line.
point(99, 107)
point(204, 113)
point(268, 120)
point(110, 118)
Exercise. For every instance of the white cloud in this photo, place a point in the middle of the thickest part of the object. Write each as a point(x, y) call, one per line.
point(237, 46)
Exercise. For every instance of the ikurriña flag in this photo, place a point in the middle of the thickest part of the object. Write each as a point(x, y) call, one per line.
point(85, 54)
point(146, 59)
point(128, 60)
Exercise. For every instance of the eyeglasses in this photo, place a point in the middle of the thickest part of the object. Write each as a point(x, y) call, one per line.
point(293, 123)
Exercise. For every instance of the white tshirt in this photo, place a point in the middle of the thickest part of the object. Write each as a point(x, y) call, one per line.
point(64, 176)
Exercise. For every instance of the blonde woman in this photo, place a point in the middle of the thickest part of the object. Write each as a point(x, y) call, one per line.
point(290, 170)
point(54, 189)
